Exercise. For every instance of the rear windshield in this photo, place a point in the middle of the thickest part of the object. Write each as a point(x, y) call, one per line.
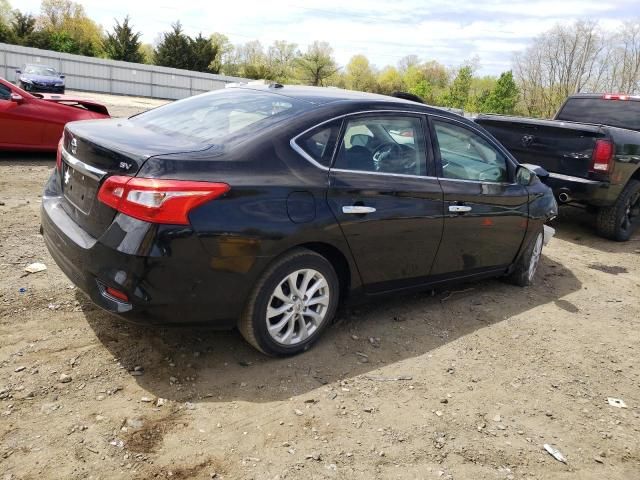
point(616, 113)
point(212, 117)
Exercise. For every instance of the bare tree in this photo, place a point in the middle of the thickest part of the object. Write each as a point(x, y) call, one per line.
point(565, 60)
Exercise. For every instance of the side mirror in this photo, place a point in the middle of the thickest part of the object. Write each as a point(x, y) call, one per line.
point(537, 169)
point(18, 71)
point(17, 98)
point(524, 176)
point(61, 76)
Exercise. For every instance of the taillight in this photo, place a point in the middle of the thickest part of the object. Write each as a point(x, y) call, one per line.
point(59, 155)
point(602, 157)
point(156, 200)
point(615, 96)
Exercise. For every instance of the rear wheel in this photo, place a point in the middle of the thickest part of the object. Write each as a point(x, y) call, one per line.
point(292, 304)
point(619, 221)
point(525, 268)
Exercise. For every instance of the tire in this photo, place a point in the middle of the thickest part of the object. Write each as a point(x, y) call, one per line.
point(619, 221)
point(525, 268)
point(297, 323)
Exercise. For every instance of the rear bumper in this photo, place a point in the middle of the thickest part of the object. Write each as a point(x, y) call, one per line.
point(178, 287)
point(581, 190)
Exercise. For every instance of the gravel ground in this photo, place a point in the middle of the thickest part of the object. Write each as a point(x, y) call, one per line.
point(461, 384)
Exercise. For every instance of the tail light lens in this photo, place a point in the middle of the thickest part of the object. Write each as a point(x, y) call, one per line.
point(156, 200)
point(59, 155)
point(602, 157)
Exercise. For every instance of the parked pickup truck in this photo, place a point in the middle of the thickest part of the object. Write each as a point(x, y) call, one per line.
point(591, 150)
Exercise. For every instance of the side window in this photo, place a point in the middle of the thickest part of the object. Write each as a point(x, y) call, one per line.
point(320, 142)
point(5, 93)
point(385, 144)
point(465, 155)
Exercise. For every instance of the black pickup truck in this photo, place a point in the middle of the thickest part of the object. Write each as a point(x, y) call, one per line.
point(591, 150)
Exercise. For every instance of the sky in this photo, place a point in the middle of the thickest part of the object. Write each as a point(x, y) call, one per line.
point(450, 32)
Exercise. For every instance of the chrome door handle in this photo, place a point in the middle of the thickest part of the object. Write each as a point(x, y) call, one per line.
point(357, 209)
point(459, 208)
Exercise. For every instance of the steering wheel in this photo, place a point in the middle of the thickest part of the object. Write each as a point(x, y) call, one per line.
point(383, 150)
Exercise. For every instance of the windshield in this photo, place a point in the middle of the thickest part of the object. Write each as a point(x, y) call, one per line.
point(210, 117)
point(616, 113)
point(41, 70)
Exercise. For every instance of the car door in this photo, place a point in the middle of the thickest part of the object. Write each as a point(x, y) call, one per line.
point(19, 122)
point(486, 211)
point(388, 206)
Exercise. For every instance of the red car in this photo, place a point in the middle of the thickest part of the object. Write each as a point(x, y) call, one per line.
point(34, 121)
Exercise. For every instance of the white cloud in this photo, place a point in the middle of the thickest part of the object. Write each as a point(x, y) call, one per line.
point(385, 31)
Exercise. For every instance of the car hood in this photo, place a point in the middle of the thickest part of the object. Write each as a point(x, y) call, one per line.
point(41, 78)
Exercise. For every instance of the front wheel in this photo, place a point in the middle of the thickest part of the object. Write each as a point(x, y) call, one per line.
point(292, 304)
point(525, 268)
point(619, 221)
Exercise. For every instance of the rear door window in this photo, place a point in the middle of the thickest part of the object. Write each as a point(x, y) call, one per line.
point(320, 143)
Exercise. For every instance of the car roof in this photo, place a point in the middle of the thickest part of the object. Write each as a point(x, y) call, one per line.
point(320, 96)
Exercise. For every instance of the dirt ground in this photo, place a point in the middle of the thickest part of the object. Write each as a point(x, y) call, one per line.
point(465, 384)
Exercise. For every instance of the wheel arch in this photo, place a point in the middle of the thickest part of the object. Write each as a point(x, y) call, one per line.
point(337, 259)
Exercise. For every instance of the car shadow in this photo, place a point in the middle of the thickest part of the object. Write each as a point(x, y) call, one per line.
point(200, 365)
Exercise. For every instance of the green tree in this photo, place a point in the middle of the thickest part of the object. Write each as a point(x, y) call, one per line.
point(146, 53)
point(390, 81)
point(458, 94)
point(23, 25)
point(222, 49)
point(174, 50)
point(203, 53)
point(359, 74)
point(281, 58)
point(316, 65)
point(6, 34)
point(504, 96)
point(70, 28)
point(123, 43)
point(5, 12)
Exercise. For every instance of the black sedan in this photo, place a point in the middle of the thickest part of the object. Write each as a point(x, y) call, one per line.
point(265, 207)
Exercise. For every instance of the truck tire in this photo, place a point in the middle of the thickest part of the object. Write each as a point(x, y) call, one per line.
point(618, 221)
point(525, 268)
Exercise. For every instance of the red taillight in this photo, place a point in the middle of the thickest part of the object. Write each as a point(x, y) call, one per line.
point(158, 201)
point(615, 96)
point(59, 155)
point(602, 157)
point(117, 294)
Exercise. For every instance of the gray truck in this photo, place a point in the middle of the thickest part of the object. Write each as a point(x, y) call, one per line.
point(591, 150)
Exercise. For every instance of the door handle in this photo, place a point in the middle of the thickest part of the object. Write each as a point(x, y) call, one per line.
point(459, 208)
point(357, 209)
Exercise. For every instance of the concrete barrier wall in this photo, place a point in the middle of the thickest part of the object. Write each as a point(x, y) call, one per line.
point(111, 76)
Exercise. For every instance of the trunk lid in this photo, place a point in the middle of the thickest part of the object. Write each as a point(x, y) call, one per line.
point(93, 150)
point(559, 147)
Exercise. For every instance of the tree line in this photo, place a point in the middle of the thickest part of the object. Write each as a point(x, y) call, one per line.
point(564, 60)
